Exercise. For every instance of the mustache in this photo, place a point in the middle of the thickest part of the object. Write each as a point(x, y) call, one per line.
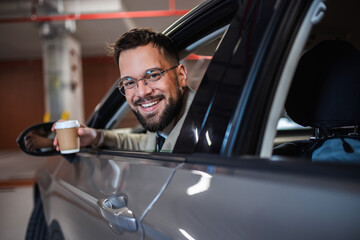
point(148, 99)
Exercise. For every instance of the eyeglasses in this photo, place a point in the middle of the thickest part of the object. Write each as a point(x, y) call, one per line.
point(150, 77)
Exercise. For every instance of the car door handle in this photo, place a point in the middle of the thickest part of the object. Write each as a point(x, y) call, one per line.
point(114, 210)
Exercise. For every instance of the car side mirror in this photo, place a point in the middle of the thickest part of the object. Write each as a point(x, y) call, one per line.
point(38, 140)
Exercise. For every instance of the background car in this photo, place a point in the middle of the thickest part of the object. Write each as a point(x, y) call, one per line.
point(223, 179)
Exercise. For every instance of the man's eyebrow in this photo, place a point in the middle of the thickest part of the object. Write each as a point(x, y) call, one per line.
point(123, 78)
point(153, 69)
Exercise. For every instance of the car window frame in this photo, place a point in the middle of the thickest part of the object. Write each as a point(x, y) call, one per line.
point(313, 15)
point(289, 18)
point(188, 142)
point(260, 90)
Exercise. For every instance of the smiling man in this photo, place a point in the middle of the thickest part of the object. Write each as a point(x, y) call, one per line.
point(154, 84)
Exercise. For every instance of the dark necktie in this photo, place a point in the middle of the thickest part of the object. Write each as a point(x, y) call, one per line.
point(159, 142)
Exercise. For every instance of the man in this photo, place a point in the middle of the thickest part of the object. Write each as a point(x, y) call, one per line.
point(154, 84)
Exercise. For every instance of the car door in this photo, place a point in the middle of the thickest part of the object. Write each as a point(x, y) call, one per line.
point(229, 186)
point(103, 196)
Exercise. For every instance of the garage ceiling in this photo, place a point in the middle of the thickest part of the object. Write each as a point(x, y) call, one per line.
point(24, 23)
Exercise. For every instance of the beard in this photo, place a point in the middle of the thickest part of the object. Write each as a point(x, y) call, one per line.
point(153, 122)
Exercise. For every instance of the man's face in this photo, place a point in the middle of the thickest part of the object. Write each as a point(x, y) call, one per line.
point(157, 103)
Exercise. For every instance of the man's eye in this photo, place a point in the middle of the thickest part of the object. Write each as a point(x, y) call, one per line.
point(153, 76)
point(129, 83)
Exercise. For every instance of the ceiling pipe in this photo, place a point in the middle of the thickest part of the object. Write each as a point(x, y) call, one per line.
point(98, 16)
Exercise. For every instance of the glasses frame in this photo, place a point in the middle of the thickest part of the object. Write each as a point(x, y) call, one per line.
point(122, 88)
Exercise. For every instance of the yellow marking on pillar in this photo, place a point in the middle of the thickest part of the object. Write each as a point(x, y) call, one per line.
point(65, 115)
point(46, 117)
point(57, 83)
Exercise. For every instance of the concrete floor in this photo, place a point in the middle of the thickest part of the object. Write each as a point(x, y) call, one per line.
point(16, 197)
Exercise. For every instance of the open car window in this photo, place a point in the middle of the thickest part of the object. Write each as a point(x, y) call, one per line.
point(196, 58)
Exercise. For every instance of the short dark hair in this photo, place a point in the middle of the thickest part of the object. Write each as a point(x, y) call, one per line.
point(141, 37)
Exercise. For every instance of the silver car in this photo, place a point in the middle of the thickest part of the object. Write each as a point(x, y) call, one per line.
point(237, 171)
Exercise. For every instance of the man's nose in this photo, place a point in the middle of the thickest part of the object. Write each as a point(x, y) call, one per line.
point(143, 88)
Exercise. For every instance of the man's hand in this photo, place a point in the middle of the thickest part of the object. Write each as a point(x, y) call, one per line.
point(88, 136)
point(34, 141)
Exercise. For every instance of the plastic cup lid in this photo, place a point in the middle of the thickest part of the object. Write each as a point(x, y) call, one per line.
point(67, 124)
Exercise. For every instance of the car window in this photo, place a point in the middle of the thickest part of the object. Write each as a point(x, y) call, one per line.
point(246, 84)
point(300, 134)
point(225, 82)
point(196, 58)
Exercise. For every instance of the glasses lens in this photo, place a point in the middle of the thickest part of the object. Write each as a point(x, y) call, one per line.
point(153, 76)
point(128, 83)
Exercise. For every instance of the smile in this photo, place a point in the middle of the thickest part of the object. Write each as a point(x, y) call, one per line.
point(150, 104)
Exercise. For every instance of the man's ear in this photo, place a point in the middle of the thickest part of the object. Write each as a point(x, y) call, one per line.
point(182, 75)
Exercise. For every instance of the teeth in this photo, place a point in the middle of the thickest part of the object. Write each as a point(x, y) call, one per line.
point(149, 104)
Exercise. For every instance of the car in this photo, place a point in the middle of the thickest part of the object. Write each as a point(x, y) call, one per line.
point(246, 163)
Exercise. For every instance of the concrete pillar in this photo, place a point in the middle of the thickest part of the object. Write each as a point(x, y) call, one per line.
point(62, 74)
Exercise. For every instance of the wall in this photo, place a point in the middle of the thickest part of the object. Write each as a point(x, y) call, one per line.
point(21, 99)
point(22, 93)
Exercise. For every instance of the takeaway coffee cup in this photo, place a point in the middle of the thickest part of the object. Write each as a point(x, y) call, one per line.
point(68, 137)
